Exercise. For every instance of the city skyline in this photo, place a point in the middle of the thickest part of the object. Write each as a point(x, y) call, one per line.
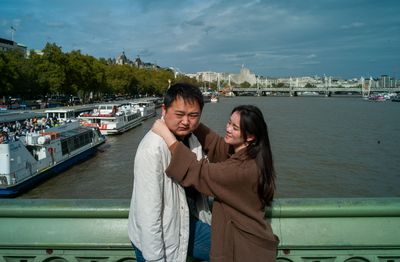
point(273, 38)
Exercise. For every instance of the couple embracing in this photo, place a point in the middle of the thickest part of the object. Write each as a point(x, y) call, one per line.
point(181, 164)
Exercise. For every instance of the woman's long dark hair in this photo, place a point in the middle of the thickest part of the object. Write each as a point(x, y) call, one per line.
point(252, 123)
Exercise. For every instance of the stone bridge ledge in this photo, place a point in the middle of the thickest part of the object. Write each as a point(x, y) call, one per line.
point(310, 230)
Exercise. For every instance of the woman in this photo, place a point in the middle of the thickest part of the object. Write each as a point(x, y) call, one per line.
point(239, 174)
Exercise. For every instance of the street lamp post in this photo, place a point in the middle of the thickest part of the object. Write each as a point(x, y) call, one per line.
point(12, 33)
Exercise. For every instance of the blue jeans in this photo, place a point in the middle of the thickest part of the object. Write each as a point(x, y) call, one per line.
point(138, 254)
point(199, 241)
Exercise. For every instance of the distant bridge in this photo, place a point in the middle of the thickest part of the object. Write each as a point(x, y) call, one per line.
point(294, 91)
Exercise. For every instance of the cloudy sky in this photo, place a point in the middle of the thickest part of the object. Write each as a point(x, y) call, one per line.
point(345, 38)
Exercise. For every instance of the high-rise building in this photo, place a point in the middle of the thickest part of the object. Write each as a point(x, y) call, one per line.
point(386, 81)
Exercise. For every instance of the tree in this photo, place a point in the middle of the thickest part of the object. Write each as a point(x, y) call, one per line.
point(121, 80)
point(85, 74)
point(245, 84)
point(67, 74)
point(7, 75)
point(50, 70)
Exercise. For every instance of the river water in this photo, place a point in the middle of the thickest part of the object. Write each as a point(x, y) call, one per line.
point(322, 147)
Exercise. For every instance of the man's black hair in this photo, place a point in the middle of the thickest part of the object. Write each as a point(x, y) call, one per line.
point(186, 91)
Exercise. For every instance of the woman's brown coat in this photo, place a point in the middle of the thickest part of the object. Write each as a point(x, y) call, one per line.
point(239, 230)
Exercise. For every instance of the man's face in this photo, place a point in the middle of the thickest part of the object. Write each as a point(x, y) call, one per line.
point(182, 117)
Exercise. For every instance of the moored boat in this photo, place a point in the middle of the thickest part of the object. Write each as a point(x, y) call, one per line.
point(64, 114)
point(377, 98)
point(38, 155)
point(147, 108)
point(61, 114)
point(308, 93)
point(158, 101)
point(206, 97)
point(396, 98)
point(113, 118)
point(229, 94)
point(214, 99)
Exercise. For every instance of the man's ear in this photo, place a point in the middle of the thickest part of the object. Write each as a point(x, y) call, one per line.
point(163, 110)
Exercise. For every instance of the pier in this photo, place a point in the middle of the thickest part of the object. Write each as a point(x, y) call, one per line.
point(311, 230)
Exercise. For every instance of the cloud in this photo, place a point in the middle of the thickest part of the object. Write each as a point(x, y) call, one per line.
point(194, 22)
point(310, 62)
point(56, 24)
point(252, 3)
point(271, 37)
point(145, 52)
point(353, 25)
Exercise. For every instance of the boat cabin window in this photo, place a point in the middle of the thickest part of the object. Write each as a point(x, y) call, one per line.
point(109, 107)
point(75, 142)
point(133, 116)
point(62, 115)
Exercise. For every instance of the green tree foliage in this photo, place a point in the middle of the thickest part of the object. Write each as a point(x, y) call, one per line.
point(182, 78)
point(7, 74)
point(86, 75)
point(75, 74)
point(245, 84)
point(121, 80)
point(51, 71)
point(16, 74)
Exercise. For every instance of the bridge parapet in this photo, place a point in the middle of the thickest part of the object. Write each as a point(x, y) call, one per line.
point(323, 230)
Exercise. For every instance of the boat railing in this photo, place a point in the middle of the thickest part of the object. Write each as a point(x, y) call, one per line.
point(310, 230)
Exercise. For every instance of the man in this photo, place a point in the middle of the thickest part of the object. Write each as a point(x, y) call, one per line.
point(166, 221)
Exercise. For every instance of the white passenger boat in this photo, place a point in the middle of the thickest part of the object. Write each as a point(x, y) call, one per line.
point(377, 98)
point(229, 94)
point(61, 114)
point(158, 101)
point(37, 156)
point(214, 99)
point(308, 93)
point(147, 108)
point(206, 97)
point(64, 114)
point(113, 118)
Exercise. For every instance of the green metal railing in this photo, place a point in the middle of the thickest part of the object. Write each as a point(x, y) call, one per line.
point(310, 230)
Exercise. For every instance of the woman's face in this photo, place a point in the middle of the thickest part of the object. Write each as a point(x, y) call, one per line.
point(233, 136)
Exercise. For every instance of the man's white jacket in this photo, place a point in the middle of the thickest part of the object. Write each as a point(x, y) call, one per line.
point(158, 222)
